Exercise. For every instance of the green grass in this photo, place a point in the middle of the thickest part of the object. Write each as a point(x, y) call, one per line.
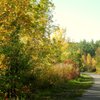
point(69, 90)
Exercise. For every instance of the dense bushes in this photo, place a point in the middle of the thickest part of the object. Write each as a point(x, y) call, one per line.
point(55, 75)
point(29, 53)
point(33, 52)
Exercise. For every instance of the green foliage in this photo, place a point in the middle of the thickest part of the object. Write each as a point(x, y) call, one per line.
point(74, 53)
point(98, 56)
point(97, 44)
point(87, 47)
point(83, 53)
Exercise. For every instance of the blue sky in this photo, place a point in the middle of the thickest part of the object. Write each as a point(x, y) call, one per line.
point(81, 18)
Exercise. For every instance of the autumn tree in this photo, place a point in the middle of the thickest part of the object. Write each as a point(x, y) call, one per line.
point(24, 32)
point(88, 63)
point(59, 45)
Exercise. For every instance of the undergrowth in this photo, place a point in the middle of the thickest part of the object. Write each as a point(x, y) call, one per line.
point(69, 90)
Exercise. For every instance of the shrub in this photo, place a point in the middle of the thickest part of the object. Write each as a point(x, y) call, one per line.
point(55, 75)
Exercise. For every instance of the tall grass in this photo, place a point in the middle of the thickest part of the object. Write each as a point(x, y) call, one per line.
point(56, 74)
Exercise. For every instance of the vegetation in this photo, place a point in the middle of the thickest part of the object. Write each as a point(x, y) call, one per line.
point(69, 90)
point(85, 54)
point(97, 57)
point(35, 56)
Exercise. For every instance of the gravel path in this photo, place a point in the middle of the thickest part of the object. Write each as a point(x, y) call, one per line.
point(93, 93)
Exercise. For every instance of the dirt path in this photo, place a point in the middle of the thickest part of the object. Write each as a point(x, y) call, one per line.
point(94, 92)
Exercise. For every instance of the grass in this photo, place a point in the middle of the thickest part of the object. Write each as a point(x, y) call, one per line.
point(69, 90)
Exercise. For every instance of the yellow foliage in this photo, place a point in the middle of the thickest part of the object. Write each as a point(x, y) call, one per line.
point(58, 38)
point(58, 73)
point(93, 62)
point(83, 59)
point(89, 62)
point(89, 59)
point(2, 61)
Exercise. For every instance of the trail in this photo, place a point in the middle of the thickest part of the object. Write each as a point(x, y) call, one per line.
point(93, 93)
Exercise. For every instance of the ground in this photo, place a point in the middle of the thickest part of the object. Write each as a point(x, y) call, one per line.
point(93, 93)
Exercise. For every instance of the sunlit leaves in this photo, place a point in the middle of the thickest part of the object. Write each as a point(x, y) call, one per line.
point(24, 29)
point(59, 44)
point(88, 62)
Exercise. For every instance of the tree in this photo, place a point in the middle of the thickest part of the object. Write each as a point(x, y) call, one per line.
point(98, 56)
point(89, 59)
point(74, 53)
point(24, 34)
point(97, 44)
point(88, 63)
point(87, 47)
point(59, 45)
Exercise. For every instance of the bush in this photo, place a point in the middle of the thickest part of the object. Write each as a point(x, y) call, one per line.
point(55, 75)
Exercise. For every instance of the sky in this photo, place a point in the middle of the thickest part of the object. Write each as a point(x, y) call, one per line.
point(80, 18)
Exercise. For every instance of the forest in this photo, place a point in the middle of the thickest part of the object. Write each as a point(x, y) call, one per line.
point(36, 59)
